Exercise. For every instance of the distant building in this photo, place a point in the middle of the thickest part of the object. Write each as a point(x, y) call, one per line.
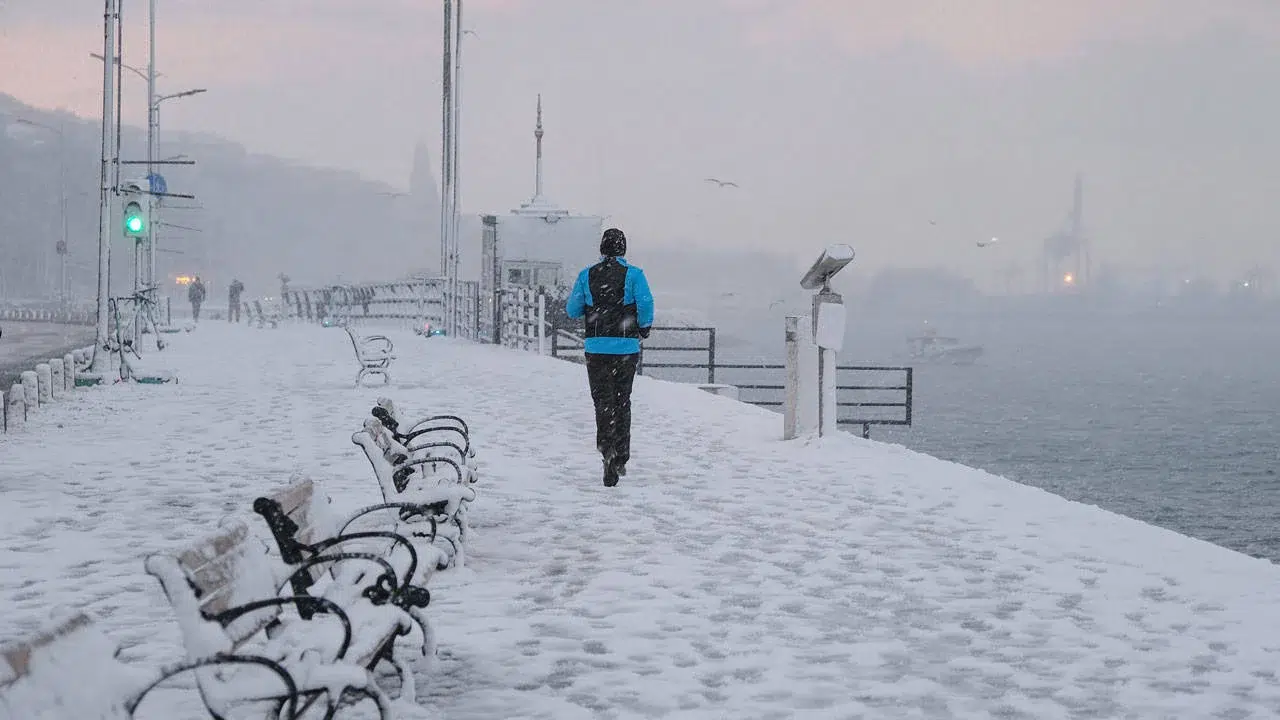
point(538, 244)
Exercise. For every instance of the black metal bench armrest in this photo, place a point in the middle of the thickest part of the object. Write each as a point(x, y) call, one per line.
point(390, 423)
point(435, 418)
point(462, 455)
point(407, 467)
point(376, 344)
point(420, 431)
point(290, 697)
point(407, 511)
point(375, 593)
point(226, 617)
point(321, 546)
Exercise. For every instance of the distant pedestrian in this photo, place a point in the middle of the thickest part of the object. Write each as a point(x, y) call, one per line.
point(233, 301)
point(195, 294)
point(615, 299)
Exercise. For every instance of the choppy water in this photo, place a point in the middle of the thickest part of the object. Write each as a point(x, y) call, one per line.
point(1173, 419)
point(23, 344)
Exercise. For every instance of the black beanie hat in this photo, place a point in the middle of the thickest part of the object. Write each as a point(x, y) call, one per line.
point(613, 243)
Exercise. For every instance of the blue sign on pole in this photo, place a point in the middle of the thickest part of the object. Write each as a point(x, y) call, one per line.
point(158, 184)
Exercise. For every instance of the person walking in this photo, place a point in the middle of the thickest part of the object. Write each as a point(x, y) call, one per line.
point(233, 300)
point(195, 294)
point(614, 298)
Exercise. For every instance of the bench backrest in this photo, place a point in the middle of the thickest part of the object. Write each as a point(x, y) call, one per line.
point(220, 572)
point(383, 452)
point(67, 671)
point(305, 520)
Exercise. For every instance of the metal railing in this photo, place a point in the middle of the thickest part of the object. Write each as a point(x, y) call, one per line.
point(852, 387)
point(407, 302)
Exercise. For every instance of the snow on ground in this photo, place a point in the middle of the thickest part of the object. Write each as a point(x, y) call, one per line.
point(728, 575)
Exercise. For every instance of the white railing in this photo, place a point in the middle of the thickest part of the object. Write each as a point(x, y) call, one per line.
point(407, 303)
point(524, 319)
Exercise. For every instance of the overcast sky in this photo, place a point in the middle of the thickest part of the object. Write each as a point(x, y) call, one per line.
point(910, 128)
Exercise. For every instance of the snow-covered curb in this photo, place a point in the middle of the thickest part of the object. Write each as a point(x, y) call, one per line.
point(46, 383)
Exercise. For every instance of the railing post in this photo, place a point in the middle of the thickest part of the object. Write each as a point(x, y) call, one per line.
point(555, 336)
point(909, 392)
point(711, 356)
point(542, 326)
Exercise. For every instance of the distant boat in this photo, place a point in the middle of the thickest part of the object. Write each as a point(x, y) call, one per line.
point(939, 350)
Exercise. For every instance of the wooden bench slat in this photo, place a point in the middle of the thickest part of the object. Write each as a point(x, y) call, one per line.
point(229, 569)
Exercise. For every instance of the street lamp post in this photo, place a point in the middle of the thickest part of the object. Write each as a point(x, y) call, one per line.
point(449, 216)
point(152, 131)
point(153, 149)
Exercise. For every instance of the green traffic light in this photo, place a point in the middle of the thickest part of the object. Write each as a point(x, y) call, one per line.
point(135, 222)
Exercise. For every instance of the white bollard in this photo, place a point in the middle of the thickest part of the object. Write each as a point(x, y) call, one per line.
point(57, 382)
point(44, 383)
point(69, 371)
point(828, 334)
point(30, 390)
point(800, 413)
point(15, 408)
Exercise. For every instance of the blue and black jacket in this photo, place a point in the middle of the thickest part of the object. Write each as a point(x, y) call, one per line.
point(615, 299)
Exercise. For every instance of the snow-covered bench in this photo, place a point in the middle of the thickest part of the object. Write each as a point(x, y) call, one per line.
point(224, 591)
point(264, 317)
point(71, 671)
point(306, 531)
point(402, 477)
point(374, 353)
point(429, 436)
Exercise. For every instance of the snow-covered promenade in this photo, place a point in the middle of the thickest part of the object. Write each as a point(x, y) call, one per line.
point(729, 575)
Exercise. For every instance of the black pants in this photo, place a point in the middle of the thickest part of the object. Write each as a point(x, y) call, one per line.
point(233, 311)
point(611, 377)
point(195, 311)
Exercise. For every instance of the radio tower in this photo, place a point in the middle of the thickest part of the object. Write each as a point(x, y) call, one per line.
point(1065, 261)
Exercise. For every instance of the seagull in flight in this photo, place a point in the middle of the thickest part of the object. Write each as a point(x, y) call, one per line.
point(721, 183)
point(988, 243)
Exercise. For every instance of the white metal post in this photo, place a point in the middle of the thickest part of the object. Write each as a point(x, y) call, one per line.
point(446, 163)
point(801, 400)
point(791, 405)
point(455, 207)
point(106, 199)
point(153, 132)
point(542, 323)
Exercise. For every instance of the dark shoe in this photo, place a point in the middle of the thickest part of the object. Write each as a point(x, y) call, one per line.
point(610, 474)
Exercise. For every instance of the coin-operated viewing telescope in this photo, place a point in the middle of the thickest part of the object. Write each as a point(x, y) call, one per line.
point(811, 365)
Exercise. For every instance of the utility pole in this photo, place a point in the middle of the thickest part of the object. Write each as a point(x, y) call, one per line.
point(153, 132)
point(446, 168)
point(106, 198)
point(455, 207)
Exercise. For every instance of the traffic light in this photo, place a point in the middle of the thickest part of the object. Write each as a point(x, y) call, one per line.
point(135, 220)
